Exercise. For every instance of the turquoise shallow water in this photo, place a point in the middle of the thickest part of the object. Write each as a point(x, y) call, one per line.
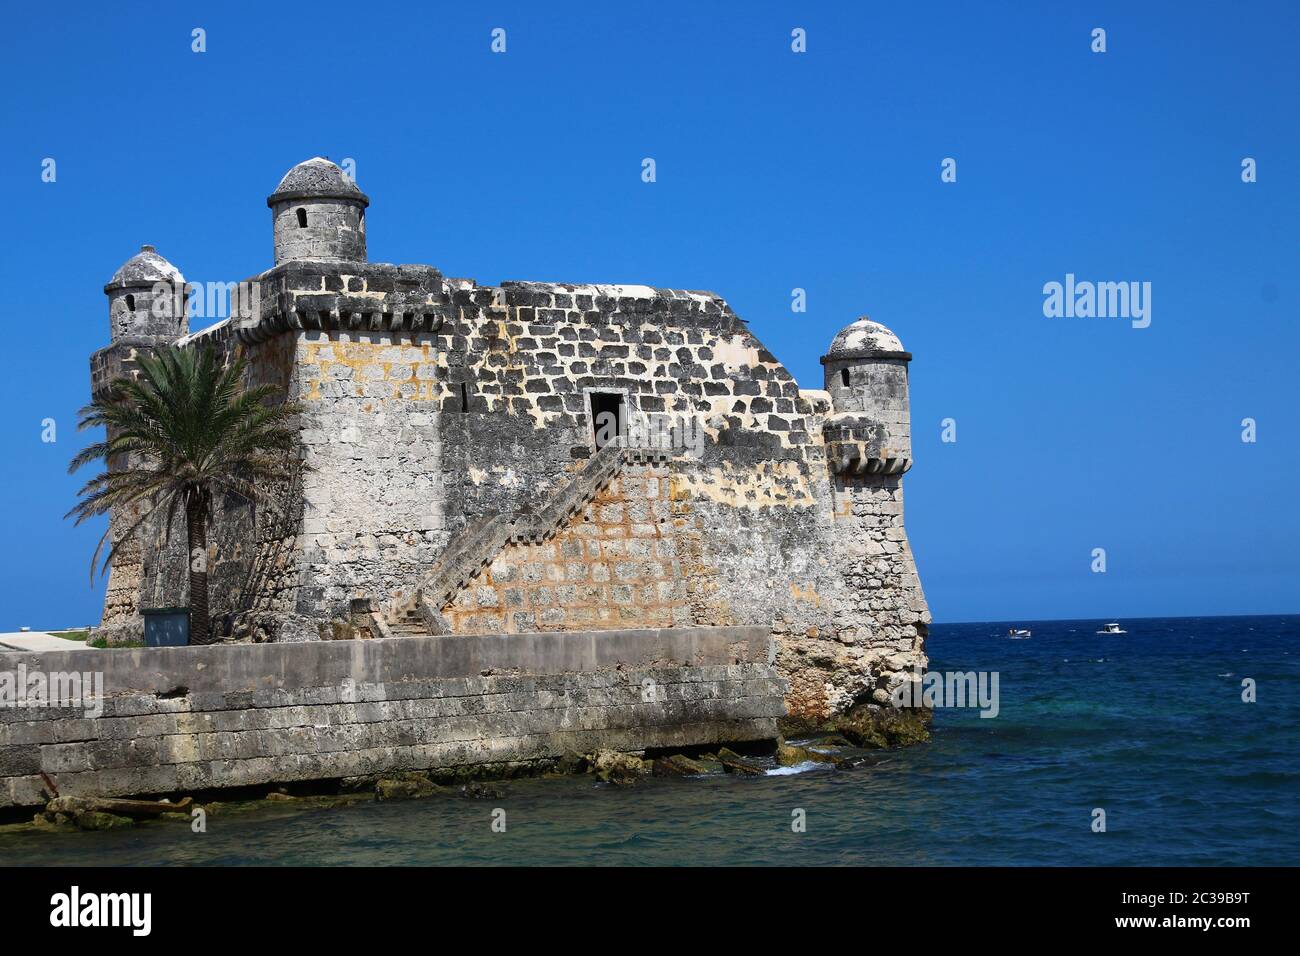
point(1148, 726)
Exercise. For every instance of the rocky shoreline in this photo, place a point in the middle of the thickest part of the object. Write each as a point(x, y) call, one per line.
point(847, 742)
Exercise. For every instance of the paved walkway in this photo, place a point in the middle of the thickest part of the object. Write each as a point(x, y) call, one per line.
point(35, 641)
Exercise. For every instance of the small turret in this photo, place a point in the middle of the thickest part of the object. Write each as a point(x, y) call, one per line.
point(318, 213)
point(869, 430)
point(146, 299)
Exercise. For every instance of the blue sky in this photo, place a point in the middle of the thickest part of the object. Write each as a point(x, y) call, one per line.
point(775, 170)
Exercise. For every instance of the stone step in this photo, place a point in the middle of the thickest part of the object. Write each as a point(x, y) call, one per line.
point(467, 554)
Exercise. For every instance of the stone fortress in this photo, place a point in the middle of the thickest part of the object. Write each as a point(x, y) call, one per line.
point(454, 479)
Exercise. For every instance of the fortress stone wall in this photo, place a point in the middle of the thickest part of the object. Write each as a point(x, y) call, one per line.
point(452, 480)
point(177, 720)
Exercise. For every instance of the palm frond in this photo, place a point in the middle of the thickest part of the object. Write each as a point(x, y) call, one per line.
point(185, 427)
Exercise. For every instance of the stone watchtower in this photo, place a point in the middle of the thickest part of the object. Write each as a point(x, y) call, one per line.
point(146, 310)
point(868, 448)
point(318, 213)
point(869, 432)
point(146, 300)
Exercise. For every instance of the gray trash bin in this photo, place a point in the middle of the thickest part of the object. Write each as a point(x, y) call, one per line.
point(166, 626)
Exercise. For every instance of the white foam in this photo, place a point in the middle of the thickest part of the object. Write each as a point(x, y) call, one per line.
point(798, 768)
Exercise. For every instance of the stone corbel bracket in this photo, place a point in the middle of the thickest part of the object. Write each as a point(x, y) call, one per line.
point(350, 297)
point(857, 446)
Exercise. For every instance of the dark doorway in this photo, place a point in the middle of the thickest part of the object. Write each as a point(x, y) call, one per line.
point(607, 417)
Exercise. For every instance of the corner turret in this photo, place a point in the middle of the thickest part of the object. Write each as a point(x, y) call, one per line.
point(868, 448)
point(146, 299)
point(869, 429)
point(318, 213)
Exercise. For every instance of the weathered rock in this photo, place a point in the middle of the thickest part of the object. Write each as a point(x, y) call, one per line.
point(611, 766)
point(53, 822)
point(459, 776)
point(230, 807)
point(96, 820)
point(481, 791)
point(677, 765)
point(134, 809)
point(570, 762)
point(883, 728)
point(856, 759)
point(788, 755)
point(867, 726)
point(311, 802)
point(733, 762)
point(407, 786)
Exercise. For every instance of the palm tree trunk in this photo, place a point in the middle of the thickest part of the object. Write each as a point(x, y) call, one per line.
point(196, 520)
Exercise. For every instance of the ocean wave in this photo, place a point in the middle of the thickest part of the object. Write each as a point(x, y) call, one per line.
point(804, 767)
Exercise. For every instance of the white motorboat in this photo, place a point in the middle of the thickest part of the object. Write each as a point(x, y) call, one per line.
point(1019, 633)
point(1112, 628)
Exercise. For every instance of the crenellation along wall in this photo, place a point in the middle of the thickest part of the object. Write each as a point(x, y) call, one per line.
point(183, 719)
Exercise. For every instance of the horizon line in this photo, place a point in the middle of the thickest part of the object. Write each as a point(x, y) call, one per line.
point(1148, 617)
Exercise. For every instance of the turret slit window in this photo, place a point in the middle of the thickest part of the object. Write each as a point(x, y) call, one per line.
point(464, 398)
point(844, 376)
point(302, 218)
point(130, 303)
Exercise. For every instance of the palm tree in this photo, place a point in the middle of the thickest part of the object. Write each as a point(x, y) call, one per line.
point(182, 431)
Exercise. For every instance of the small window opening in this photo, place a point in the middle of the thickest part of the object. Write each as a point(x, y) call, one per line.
point(464, 398)
point(607, 417)
point(844, 376)
point(130, 303)
point(302, 218)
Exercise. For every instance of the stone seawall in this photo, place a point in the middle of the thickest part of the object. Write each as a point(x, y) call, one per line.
point(197, 718)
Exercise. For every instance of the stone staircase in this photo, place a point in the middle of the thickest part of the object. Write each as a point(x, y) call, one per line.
point(407, 622)
point(419, 613)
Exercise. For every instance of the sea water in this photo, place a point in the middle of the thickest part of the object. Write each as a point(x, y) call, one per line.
point(1149, 727)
